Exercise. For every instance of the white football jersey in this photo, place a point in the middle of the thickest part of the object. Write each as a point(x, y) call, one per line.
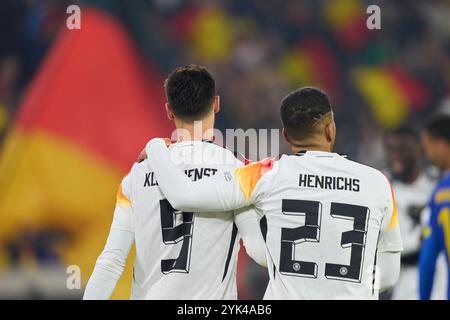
point(323, 217)
point(181, 255)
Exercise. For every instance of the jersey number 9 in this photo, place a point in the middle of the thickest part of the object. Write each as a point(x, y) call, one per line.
point(173, 234)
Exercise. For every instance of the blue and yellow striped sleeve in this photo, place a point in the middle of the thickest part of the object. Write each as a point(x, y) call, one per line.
point(436, 238)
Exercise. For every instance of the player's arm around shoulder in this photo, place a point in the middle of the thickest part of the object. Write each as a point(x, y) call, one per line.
point(247, 222)
point(255, 178)
point(217, 193)
point(252, 181)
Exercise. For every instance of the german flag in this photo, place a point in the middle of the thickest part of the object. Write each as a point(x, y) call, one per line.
point(392, 92)
point(84, 118)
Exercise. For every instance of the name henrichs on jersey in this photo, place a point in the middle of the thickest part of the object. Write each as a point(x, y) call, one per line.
point(328, 182)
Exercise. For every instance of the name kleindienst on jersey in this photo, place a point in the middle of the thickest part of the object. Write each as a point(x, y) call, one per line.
point(194, 174)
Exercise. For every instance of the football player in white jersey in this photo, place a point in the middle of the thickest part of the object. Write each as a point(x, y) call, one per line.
point(179, 255)
point(330, 224)
point(412, 187)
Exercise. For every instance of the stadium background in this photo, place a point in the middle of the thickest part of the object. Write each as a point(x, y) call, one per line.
point(77, 106)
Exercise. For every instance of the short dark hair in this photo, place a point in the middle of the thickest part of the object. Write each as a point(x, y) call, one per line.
point(438, 126)
point(301, 109)
point(190, 91)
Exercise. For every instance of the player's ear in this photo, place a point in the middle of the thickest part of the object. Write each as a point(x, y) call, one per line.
point(286, 137)
point(334, 130)
point(216, 104)
point(330, 131)
point(169, 112)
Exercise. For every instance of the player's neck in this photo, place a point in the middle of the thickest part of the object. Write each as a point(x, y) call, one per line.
point(194, 131)
point(298, 147)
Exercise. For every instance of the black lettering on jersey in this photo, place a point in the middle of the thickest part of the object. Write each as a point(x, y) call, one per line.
point(328, 183)
point(208, 172)
point(319, 182)
point(193, 174)
point(150, 180)
point(302, 180)
point(340, 183)
point(348, 184)
point(356, 185)
point(198, 173)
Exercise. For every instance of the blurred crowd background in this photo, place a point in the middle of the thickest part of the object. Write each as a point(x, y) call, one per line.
point(97, 94)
